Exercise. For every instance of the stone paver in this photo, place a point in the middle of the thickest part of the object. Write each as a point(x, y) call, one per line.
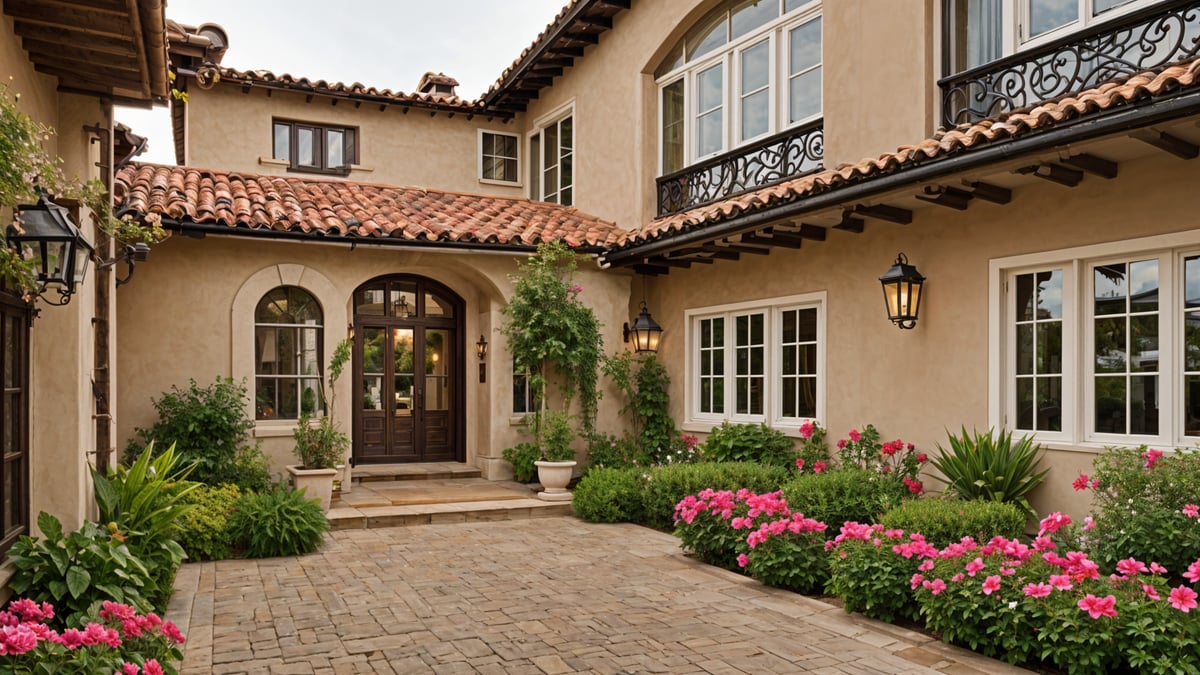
point(548, 595)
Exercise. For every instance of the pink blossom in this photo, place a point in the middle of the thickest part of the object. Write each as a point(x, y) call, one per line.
point(926, 565)
point(1061, 581)
point(1130, 567)
point(1182, 598)
point(129, 668)
point(743, 560)
point(1152, 456)
point(806, 430)
point(991, 584)
point(799, 463)
point(957, 577)
point(152, 667)
point(1053, 523)
point(819, 466)
point(1191, 511)
point(1155, 568)
point(1150, 591)
point(1080, 483)
point(16, 640)
point(70, 638)
point(922, 458)
point(1095, 483)
point(914, 486)
point(1044, 543)
point(1088, 523)
point(974, 566)
point(1037, 590)
point(936, 586)
point(173, 633)
point(841, 444)
point(1193, 572)
point(916, 580)
point(1098, 607)
point(575, 288)
point(855, 436)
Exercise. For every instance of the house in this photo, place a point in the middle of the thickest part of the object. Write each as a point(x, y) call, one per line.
point(1032, 159)
point(66, 63)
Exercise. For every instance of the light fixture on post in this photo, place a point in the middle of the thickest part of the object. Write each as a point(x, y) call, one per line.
point(44, 234)
point(646, 332)
point(133, 254)
point(481, 352)
point(902, 285)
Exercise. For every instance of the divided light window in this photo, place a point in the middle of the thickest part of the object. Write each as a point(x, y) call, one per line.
point(498, 157)
point(757, 362)
point(552, 162)
point(749, 69)
point(315, 148)
point(287, 354)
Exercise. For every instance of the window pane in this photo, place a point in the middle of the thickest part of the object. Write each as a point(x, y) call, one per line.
point(706, 37)
point(351, 156)
point(550, 151)
point(437, 307)
point(807, 325)
point(566, 131)
point(791, 360)
point(672, 130)
point(283, 142)
point(305, 152)
point(1049, 404)
point(1191, 341)
point(1110, 289)
point(710, 88)
point(804, 47)
point(978, 30)
point(1143, 284)
point(1143, 343)
point(747, 16)
point(402, 299)
point(1025, 403)
point(1143, 404)
point(370, 302)
point(1049, 294)
point(535, 171)
point(1046, 15)
point(506, 146)
point(756, 115)
point(804, 96)
point(756, 67)
point(1025, 349)
point(1025, 299)
point(1191, 282)
point(335, 145)
point(1191, 405)
point(1049, 347)
point(709, 141)
point(1110, 405)
point(718, 332)
point(807, 397)
point(1110, 345)
point(1101, 6)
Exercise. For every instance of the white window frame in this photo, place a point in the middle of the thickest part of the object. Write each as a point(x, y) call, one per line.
point(1019, 16)
point(729, 56)
point(772, 310)
point(515, 182)
point(540, 125)
point(1078, 264)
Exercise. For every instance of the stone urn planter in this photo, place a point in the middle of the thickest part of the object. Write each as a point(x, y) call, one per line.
point(316, 483)
point(554, 477)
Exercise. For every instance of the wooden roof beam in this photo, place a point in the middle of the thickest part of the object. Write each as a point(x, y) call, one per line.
point(988, 192)
point(850, 223)
point(946, 196)
point(1097, 166)
point(892, 214)
point(599, 21)
point(1055, 173)
point(1168, 143)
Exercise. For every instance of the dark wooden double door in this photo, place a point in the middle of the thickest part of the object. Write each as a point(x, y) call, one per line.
point(407, 356)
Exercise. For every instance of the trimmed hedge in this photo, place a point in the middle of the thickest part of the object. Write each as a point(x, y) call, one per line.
point(750, 443)
point(945, 521)
point(203, 531)
point(835, 497)
point(668, 485)
point(611, 495)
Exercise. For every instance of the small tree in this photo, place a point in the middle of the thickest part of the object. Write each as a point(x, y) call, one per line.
point(551, 332)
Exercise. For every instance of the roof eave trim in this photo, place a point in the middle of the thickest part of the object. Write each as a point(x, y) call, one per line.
point(538, 51)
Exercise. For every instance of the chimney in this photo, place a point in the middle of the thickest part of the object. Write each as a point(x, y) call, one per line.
point(438, 85)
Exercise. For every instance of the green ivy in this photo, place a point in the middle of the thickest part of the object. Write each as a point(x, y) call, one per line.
point(652, 433)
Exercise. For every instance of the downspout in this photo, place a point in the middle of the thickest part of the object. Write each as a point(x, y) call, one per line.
point(102, 367)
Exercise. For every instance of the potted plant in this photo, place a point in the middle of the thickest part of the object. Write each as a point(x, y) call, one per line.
point(321, 445)
point(557, 464)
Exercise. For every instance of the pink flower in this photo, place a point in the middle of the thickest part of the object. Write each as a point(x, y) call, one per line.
point(922, 458)
point(855, 436)
point(1193, 572)
point(1130, 567)
point(916, 580)
point(1152, 456)
point(172, 632)
point(1061, 581)
point(1088, 523)
point(841, 444)
point(914, 486)
point(743, 560)
point(1037, 590)
point(991, 584)
point(129, 668)
point(1182, 598)
point(926, 565)
point(1191, 511)
point(1095, 483)
point(1150, 591)
point(575, 288)
point(16, 640)
point(806, 430)
point(799, 463)
point(1053, 523)
point(974, 566)
point(957, 577)
point(935, 587)
point(151, 667)
point(1080, 483)
point(819, 466)
point(1098, 607)
point(1155, 568)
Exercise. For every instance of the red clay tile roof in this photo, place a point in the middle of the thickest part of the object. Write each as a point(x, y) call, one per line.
point(259, 203)
point(355, 90)
point(961, 139)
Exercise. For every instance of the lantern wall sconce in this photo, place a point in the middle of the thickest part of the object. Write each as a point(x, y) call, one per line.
point(645, 332)
point(481, 348)
point(44, 234)
point(902, 286)
point(131, 255)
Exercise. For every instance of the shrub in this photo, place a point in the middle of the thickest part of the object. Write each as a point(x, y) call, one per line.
point(204, 531)
point(651, 438)
point(709, 525)
point(79, 570)
point(668, 485)
point(872, 570)
point(278, 522)
point(319, 446)
point(606, 495)
point(944, 521)
point(749, 443)
point(208, 427)
point(894, 461)
point(835, 497)
point(1140, 499)
point(788, 552)
point(990, 466)
point(522, 457)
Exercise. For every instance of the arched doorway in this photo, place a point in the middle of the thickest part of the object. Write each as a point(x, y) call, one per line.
point(408, 368)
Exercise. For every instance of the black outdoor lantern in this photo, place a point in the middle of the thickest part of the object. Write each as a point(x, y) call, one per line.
point(902, 285)
point(481, 348)
point(646, 332)
point(45, 234)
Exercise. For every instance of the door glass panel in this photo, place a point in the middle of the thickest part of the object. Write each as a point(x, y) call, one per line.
point(373, 360)
point(1101, 6)
point(402, 354)
point(1143, 286)
point(755, 93)
point(1110, 289)
point(402, 300)
point(437, 370)
point(710, 128)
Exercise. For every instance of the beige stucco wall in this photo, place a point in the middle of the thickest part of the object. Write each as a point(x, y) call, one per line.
point(916, 384)
point(189, 314)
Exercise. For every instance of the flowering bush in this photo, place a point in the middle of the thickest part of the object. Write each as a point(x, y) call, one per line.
point(813, 453)
point(788, 552)
point(872, 569)
point(712, 524)
point(896, 459)
point(122, 641)
point(1142, 498)
point(667, 485)
point(943, 521)
point(841, 495)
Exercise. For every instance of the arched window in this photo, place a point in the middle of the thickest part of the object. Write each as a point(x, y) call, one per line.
point(749, 69)
point(288, 334)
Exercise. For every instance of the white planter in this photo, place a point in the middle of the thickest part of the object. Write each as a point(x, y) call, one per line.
point(316, 483)
point(554, 477)
point(344, 478)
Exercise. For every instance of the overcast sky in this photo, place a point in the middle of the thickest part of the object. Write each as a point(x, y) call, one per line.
point(387, 44)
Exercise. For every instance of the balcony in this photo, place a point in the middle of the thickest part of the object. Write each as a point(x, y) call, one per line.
point(1161, 34)
point(786, 155)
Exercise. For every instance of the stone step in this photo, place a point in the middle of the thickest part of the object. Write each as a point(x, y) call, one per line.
point(368, 517)
point(367, 473)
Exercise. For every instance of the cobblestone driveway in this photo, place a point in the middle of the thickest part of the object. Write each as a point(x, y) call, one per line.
point(545, 595)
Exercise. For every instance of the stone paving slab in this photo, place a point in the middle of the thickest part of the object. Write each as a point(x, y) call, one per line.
point(548, 595)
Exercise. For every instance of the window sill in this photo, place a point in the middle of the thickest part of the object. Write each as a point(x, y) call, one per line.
point(269, 161)
point(274, 428)
point(7, 570)
point(504, 183)
point(789, 429)
point(518, 420)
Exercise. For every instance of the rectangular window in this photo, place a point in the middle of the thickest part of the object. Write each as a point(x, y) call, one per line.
point(804, 71)
point(498, 157)
point(552, 173)
point(14, 417)
point(772, 352)
point(672, 127)
point(315, 148)
point(523, 399)
point(1128, 341)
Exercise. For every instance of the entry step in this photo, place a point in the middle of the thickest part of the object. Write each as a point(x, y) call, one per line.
point(367, 473)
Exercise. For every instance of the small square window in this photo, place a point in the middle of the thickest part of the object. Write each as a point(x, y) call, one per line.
point(315, 148)
point(498, 157)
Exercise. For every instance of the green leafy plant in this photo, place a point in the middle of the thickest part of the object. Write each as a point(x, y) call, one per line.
point(522, 457)
point(813, 453)
point(203, 532)
point(868, 576)
point(644, 383)
point(944, 521)
point(789, 553)
point(77, 571)
point(610, 495)
point(835, 497)
point(667, 485)
point(322, 446)
point(991, 466)
point(277, 523)
point(557, 436)
point(209, 428)
point(749, 443)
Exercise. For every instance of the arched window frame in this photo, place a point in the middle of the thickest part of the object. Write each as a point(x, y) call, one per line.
point(727, 60)
point(305, 353)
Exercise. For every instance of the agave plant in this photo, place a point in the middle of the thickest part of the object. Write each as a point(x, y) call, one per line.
point(991, 467)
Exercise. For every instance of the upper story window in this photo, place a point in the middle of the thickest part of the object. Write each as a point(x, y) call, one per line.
point(498, 157)
point(315, 148)
point(552, 160)
point(287, 354)
point(749, 69)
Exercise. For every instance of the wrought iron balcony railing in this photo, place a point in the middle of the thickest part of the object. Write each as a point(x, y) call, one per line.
point(775, 159)
point(1160, 34)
